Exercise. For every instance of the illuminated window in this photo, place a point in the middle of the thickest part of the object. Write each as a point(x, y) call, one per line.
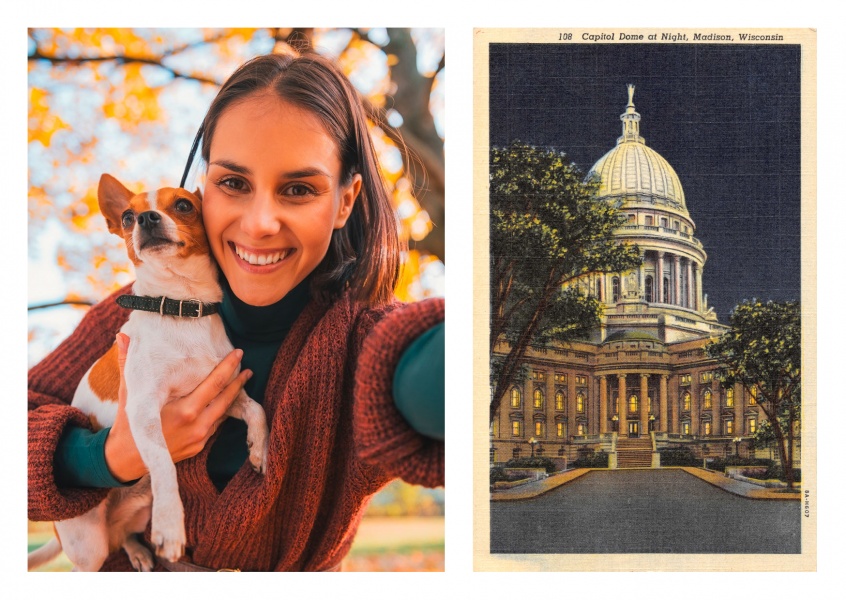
point(559, 400)
point(753, 394)
point(706, 377)
point(684, 379)
point(540, 430)
point(633, 403)
point(707, 427)
point(686, 428)
point(752, 425)
point(538, 398)
point(729, 426)
point(559, 429)
point(686, 402)
point(515, 398)
point(729, 398)
point(539, 375)
point(580, 402)
point(707, 399)
point(561, 378)
point(516, 430)
point(581, 380)
point(581, 429)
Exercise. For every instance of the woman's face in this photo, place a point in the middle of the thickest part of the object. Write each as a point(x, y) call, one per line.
point(273, 196)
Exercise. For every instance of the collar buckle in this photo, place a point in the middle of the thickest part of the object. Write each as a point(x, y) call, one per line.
point(199, 308)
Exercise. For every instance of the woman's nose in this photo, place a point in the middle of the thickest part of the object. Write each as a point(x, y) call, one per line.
point(262, 216)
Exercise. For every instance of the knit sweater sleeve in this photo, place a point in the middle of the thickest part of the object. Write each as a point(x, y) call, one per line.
point(383, 437)
point(51, 387)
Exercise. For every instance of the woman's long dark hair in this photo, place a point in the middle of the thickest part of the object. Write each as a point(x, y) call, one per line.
point(364, 254)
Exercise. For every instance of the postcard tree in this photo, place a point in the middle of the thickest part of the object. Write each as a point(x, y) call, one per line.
point(762, 352)
point(548, 233)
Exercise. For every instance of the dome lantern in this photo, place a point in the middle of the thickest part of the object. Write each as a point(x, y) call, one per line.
point(631, 121)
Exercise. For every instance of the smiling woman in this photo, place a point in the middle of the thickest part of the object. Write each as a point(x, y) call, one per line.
point(300, 222)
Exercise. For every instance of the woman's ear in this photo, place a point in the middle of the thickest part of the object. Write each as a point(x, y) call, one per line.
point(349, 194)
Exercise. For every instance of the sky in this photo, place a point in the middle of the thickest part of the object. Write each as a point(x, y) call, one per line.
point(726, 117)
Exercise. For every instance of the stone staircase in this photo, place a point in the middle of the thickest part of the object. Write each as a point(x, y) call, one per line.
point(634, 453)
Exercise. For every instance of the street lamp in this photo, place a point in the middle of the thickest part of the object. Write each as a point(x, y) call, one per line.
point(533, 442)
point(616, 423)
point(737, 441)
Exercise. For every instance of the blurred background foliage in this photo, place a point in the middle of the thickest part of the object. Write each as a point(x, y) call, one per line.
point(129, 101)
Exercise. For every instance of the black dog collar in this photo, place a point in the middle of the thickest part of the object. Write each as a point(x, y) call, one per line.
point(192, 309)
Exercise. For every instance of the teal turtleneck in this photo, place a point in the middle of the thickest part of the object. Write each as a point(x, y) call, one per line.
point(259, 332)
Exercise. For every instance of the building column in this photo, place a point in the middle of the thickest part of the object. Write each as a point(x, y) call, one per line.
point(689, 300)
point(528, 406)
point(739, 409)
point(662, 399)
point(716, 425)
point(622, 411)
point(603, 404)
point(676, 280)
point(695, 406)
point(700, 302)
point(549, 407)
point(642, 275)
point(660, 277)
point(644, 404)
point(571, 405)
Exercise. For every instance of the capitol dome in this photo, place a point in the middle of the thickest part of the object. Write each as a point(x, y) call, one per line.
point(634, 172)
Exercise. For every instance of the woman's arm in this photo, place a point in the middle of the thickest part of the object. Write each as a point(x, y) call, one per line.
point(383, 435)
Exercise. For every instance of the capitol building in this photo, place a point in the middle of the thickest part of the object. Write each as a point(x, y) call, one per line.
point(642, 382)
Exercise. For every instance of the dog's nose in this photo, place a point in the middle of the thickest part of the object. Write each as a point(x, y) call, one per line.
point(149, 219)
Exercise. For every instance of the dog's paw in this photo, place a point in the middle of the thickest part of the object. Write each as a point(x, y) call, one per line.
point(140, 557)
point(257, 444)
point(170, 549)
point(168, 535)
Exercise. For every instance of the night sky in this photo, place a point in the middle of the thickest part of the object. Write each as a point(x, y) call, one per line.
point(726, 117)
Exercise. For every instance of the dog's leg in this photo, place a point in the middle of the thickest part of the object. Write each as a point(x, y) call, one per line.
point(129, 513)
point(143, 413)
point(85, 539)
point(251, 412)
point(140, 557)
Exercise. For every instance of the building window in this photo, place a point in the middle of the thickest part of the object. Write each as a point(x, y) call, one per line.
point(648, 290)
point(686, 402)
point(707, 425)
point(559, 429)
point(752, 425)
point(753, 394)
point(707, 399)
point(515, 453)
point(633, 403)
point(684, 379)
point(559, 400)
point(706, 377)
point(663, 221)
point(581, 429)
point(540, 430)
point(493, 455)
point(686, 427)
point(729, 426)
point(647, 220)
point(515, 398)
point(539, 375)
point(516, 429)
point(676, 225)
point(561, 378)
point(632, 219)
point(581, 380)
point(580, 402)
point(666, 292)
point(538, 398)
point(615, 289)
point(729, 398)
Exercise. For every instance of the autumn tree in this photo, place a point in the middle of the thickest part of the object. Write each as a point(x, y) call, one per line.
point(762, 352)
point(548, 232)
point(129, 101)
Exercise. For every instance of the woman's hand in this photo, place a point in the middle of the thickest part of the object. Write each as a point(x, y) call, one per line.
point(187, 422)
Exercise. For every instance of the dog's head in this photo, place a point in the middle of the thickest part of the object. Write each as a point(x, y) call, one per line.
point(156, 226)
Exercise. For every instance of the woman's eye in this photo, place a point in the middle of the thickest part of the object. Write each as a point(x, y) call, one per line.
point(298, 189)
point(127, 219)
point(184, 206)
point(233, 183)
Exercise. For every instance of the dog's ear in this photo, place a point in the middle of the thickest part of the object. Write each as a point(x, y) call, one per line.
point(114, 199)
point(199, 194)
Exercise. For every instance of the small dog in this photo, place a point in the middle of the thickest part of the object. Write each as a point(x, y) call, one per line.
point(173, 348)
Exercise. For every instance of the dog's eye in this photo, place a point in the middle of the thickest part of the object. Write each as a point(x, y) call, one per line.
point(127, 219)
point(184, 206)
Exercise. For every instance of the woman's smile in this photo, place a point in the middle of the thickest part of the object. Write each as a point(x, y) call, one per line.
point(260, 261)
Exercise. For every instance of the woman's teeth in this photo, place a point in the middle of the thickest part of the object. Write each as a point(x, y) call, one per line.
point(261, 259)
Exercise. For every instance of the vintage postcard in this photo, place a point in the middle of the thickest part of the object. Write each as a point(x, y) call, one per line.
point(645, 288)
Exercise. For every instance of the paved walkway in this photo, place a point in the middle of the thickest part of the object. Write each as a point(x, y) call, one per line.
point(732, 486)
point(656, 511)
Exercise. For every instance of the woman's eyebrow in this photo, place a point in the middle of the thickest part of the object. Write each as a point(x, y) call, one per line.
point(306, 172)
point(231, 166)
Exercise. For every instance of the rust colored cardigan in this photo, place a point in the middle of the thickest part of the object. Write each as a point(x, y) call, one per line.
point(335, 439)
